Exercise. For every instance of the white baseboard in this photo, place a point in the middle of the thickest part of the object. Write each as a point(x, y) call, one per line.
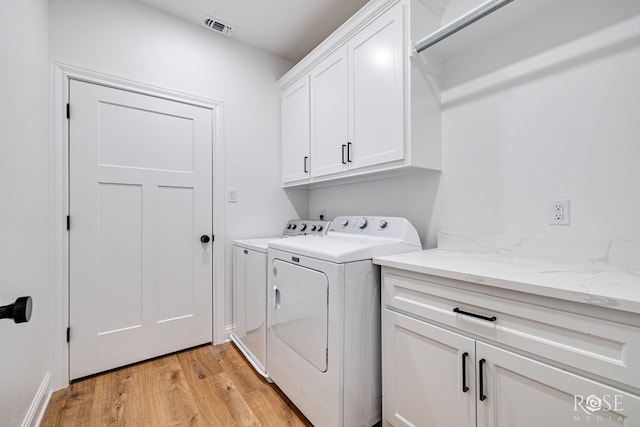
point(39, 404)
point(228, 330)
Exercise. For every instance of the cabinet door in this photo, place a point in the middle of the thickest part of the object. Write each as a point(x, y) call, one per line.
point(376, 58)
point(422, 381)
point(295, 132)
point(521, 392)
point(329, 114)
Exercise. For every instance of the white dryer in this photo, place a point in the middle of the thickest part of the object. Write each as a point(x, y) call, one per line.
point(323, 340)
point(250, 290)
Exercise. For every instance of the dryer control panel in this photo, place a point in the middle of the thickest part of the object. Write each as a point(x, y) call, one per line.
point(302, 227)
point(389, 227)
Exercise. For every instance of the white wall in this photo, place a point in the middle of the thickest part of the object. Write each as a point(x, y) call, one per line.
point(24, 203)
point(130, 40)
point(549, 113)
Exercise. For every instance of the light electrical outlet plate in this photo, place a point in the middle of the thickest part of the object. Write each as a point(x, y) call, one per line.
point(559, 212)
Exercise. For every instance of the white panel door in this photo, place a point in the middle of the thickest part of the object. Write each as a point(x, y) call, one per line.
point(295, 132)
point(376, 58)
point(329, 114)
point(140, 197)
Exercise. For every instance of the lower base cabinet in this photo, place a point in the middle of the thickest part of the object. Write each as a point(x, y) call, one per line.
point(441, 377)
point(422, 374)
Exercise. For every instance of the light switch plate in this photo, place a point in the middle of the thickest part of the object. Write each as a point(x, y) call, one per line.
point(232, 195)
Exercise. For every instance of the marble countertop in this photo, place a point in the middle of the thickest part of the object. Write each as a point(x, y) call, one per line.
point(596, 284)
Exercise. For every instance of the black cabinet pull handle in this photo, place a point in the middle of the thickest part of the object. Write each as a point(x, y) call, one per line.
point(306, 164)
point(464, 372)
point(481, 378)
point(344, 162)
point(477, 316)
point(349, 152)
point(246, 252)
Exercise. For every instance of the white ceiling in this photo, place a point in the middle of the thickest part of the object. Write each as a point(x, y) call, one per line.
point(287, 28)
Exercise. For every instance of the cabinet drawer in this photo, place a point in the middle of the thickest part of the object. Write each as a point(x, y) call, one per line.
point(593, 345)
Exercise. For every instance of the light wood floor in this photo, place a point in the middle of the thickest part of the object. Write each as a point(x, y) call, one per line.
point(204, 386)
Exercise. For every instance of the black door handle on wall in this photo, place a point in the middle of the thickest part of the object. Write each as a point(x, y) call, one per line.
point(19, 311)
point(481, 379)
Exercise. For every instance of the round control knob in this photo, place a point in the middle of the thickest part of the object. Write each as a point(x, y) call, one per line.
point(303, 227)
point(383, 223)
point(293, 226)
point(289, 226)
point(204, 238)
point(345, 222)
point(313, 228)
point(362, 223)
point(320, 228)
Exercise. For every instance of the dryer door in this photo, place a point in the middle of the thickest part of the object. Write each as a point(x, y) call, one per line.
point(300, 311)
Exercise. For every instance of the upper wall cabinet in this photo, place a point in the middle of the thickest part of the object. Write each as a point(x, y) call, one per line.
point(295, 132)
point(371, 109)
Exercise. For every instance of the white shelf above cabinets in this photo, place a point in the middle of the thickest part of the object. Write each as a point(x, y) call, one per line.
point(371, 110)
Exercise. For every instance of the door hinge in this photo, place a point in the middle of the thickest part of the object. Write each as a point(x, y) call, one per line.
point(68, 111)
point(68, 334)
point(68, 222)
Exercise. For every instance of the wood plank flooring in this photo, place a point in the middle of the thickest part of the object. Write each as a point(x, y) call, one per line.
point(203, 386)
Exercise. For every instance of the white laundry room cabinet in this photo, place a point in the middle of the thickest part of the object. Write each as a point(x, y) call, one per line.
point(371, 109)
point(295, 132)
point(457, 353)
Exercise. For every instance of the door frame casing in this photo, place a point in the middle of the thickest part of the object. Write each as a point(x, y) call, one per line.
point(59, 201)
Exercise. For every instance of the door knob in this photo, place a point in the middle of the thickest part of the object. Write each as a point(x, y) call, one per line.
point(204, 238)
point(19, 311)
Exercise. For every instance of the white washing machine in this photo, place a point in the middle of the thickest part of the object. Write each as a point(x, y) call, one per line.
point(250, 291)
point(323, 340)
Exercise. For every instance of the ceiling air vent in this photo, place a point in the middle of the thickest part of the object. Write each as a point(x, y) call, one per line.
point(217, 25)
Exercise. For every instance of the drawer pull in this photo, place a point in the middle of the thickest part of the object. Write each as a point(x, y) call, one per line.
point(477, 316)
point(464, 372)
point(481, 378)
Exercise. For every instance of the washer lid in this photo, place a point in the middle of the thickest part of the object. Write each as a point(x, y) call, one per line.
point(260, 245)
point(342, 247)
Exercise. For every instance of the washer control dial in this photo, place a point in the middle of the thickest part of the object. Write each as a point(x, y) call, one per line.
point(361, 223)
point(313, 228)
point(345, 222)
point(303, 227)
point(383, 223)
